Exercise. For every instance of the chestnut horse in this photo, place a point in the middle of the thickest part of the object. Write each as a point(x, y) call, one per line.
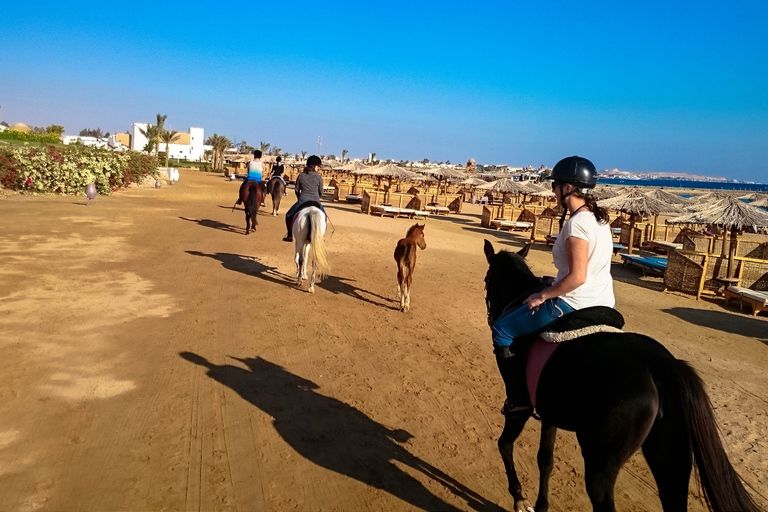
point(405, 257)
point(276, 188)
point(251, 197)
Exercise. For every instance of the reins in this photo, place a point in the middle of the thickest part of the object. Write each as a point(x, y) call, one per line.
point(517, 301)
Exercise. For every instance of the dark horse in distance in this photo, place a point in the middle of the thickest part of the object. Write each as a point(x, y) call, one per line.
point(276, 188)
point(251, 197)
point(405, 257)
point(619, 392)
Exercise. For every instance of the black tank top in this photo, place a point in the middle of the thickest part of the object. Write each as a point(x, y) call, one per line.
point(277, 170)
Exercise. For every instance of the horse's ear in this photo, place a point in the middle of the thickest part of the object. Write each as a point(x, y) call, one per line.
point(489, 253)
point(523, 253)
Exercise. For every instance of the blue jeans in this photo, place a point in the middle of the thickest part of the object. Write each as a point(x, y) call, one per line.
point(520, 321)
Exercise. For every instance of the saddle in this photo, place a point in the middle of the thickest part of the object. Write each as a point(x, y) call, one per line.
point(306, 204)
point(573, 325)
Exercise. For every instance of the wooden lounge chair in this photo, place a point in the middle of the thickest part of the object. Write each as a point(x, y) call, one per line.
point(755, 298)
point(439, 210)
point(649, 265)
point(511, 225)
point(664, 247)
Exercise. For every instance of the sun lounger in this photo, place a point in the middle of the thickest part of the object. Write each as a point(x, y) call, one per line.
point(651, 265)
point(757, 299)
point(353, 199)
point(617, 248)
point(391, 211)
point(510, 225)
point(439, 210)
point(665, 247)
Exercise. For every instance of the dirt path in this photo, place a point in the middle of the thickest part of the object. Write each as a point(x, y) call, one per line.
point(156, 358)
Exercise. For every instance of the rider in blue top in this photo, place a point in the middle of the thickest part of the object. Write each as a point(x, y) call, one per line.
point(255, 167)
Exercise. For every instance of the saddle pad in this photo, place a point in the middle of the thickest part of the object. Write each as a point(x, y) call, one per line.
point(559, 337)
point(538, 356)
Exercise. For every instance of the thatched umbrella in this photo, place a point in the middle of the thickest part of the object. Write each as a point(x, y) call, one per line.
point(505, 186)
point(636, 203)
point(393, 171)
point(667, 197)
point(442, 173)
point(730, 214)
point(760, 202)
point(353, 168)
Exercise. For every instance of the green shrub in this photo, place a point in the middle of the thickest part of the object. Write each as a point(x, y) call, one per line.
point(46, 138)
point(67, 170)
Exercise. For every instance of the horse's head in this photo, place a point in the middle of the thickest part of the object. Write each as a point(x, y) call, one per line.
point(416, 233)
point(508, 281)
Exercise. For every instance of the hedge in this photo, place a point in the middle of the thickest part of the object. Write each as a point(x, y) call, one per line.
point(69, 169)
point(46, 138)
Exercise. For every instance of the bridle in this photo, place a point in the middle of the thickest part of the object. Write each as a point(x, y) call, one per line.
point(517, 301)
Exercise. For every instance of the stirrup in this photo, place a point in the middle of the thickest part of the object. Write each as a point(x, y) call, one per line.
point(516, 411)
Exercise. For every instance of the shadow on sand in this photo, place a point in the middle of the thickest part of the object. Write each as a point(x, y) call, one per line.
point(248, 266)
point(341, 285)
point(336, 436)
point(723, 321)
point(215, 224)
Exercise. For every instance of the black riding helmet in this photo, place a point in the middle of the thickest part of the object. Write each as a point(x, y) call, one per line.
point(313, 161)
point(575, 170)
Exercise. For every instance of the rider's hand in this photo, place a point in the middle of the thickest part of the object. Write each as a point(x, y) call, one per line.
point(535, 300)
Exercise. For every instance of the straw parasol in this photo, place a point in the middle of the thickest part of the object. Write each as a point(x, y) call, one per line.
point(760, 202)
point(730, 214)
point(637, 203)
point(666, 197)
point(442, 173)
point(504, 186)
point(392, 171)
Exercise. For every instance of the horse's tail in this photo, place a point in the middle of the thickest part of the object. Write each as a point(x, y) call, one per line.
point(723, 489)
point(317, 243)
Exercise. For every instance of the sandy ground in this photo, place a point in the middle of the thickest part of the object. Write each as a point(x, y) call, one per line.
point(155, 358)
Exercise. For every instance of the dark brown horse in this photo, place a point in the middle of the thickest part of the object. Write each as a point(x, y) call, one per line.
point(405, 257)
point(276, 188)
point(251, 197)
point(619, 392)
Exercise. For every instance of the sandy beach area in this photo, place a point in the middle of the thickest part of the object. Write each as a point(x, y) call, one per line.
point(158, 359)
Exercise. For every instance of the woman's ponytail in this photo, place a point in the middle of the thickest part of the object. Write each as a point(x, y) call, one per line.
point(601, 214)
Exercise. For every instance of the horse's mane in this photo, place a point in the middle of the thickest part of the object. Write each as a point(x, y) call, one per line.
point(413, 229)
point(516, 261)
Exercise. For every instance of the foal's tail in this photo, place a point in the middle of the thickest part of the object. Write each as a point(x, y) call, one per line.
point(723, 489)
point(402, 263)
point(317, 243)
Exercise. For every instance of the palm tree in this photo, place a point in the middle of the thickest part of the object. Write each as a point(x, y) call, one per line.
point(344, 155)
point(373, 158)
point(303, 155)
point(264, 147)
point(223, 143)
point(160, 129)
point(152, 134)
point(169, 137)
point(275, 151)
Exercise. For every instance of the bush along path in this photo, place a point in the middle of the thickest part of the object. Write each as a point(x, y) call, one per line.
point(67, 170)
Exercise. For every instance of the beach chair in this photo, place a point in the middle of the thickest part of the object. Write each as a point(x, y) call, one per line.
point(649, 265)
point(757, 299)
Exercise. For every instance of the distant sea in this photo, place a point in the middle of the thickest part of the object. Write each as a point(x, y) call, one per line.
point(715, 185)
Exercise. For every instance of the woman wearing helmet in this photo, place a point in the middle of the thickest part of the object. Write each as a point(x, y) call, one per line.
point(309, 187)
point(582, 256)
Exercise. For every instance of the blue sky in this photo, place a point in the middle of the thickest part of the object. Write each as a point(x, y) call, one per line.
point(657, 86)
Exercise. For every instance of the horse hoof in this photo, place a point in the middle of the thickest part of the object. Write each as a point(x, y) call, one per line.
point(311, 289)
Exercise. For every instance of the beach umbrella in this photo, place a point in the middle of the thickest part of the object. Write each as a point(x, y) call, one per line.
point(666, 197)
point(504, 186)
point(443, 173)
point(391, 171)
point(356, 169)
point(730, 214)
point(636, 203)
point(605, 192)
point(763, 203)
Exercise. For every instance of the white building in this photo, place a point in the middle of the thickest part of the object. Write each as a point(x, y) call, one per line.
point(110, 142)
point(188, 146)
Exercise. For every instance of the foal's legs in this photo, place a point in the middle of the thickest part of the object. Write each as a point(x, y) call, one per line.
point(545, 459)
point(512, 428)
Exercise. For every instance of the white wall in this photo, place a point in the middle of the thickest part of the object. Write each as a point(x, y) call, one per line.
point(138, 141)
